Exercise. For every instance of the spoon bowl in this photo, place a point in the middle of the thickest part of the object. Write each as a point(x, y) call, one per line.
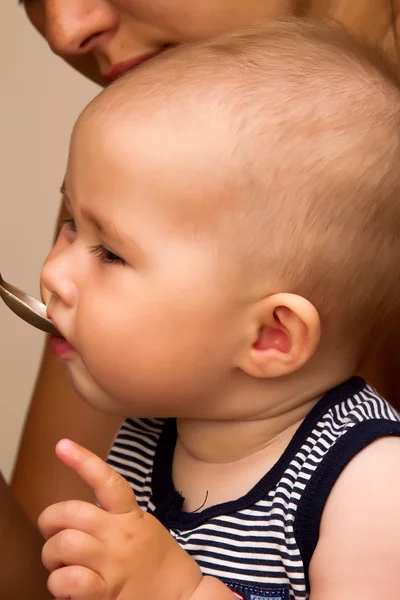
point(26, 307)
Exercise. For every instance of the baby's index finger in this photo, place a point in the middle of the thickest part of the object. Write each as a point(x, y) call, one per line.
point(112, 491)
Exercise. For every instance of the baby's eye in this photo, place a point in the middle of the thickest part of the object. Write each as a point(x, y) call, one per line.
point(106, 256)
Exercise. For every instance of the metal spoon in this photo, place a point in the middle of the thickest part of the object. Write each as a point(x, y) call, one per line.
point(28, 308)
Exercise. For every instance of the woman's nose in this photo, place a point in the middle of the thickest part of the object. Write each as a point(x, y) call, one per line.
point(56, 279)
point(75, 27)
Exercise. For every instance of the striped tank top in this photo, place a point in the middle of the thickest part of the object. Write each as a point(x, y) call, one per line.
point(261, 544)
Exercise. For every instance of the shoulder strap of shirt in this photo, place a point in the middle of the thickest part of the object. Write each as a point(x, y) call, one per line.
point(314, 497)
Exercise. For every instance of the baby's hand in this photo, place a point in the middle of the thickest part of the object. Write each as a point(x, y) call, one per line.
point(116, 552)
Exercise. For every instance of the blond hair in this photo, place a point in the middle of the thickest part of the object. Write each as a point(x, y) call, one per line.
point(316, 118)
point(318, 125)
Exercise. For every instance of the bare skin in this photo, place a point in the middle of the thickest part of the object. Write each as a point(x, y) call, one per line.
point(22, 574)
point(93, 42)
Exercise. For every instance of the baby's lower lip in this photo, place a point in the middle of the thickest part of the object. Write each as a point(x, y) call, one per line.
point(60, 348)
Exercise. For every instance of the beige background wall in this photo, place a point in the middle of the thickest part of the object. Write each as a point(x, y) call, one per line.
point(40, 98)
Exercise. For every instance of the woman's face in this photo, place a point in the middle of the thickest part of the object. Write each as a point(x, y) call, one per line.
point(104, 38)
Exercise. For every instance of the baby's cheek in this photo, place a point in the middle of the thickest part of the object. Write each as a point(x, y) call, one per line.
point(102, 334)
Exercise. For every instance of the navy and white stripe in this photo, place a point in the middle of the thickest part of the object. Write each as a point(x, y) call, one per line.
point(265, 539)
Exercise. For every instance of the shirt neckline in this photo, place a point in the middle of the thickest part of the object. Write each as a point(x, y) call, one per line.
point(168, 501)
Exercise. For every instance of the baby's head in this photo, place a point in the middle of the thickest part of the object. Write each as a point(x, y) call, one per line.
point(233, 202)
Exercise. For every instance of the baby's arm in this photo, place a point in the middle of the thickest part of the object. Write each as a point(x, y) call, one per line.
point(117, 551)
point(358, 554)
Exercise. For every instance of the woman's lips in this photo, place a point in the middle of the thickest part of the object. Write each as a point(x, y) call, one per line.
point(60, 348)
point(120, 68)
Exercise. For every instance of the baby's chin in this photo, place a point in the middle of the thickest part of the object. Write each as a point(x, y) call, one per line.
point(90, 391)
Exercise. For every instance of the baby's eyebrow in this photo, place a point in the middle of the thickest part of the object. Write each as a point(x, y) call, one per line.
point(107, 229)
point(110, 231)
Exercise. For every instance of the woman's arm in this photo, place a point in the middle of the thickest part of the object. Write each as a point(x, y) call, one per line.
point(382, 367)
point(56, 412)
point(22, 574)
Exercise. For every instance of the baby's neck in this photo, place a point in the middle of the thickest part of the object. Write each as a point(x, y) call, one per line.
point(273, 410)
point(231, 441)
point(220, 460)
point(207, 473)
point(217, 461)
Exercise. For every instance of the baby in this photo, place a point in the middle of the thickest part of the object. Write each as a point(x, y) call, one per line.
point(233, 249)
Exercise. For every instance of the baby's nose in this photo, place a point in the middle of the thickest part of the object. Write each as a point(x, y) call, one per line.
point(56, 280)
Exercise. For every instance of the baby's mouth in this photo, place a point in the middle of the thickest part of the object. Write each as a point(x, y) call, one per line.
point(60, 347)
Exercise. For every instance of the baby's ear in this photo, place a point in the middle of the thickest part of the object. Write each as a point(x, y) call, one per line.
point(286, 333)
